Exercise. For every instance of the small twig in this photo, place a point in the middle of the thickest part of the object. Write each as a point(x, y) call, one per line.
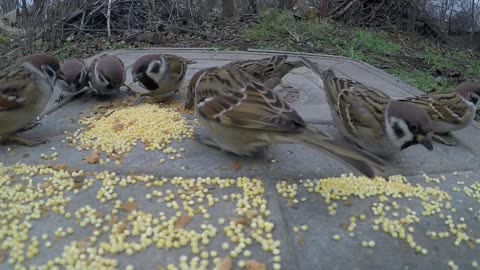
point(109, 11)
point(294, 35)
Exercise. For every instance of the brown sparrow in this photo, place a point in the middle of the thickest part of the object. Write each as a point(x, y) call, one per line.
point(161, 74)
point(75, 76)
point(450, 111)
point(25, 90)
point(268, 71)
point(241, 116)
point(107, 75)
point(371, 119)
point(47, 64)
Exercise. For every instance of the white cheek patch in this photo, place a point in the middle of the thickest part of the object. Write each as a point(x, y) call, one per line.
point(157, 77)
point(100, 78)
point(394, 138)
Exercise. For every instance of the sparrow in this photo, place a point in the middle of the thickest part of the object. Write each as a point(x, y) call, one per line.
point(268, 71)
point(75, 77)
point(242, 116)
point(371, 119)
point(107, 75)
point(25, 90)
point(161, 74)
point(450, 111)
point(47, 64)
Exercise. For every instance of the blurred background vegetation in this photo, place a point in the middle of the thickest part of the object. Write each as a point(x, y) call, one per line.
point(430, 44)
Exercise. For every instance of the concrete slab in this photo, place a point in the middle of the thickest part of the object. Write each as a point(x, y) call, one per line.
point(312, 249)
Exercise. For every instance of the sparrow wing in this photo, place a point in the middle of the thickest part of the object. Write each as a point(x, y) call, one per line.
point(16, 89)
point(233, 98)
point(446, 107)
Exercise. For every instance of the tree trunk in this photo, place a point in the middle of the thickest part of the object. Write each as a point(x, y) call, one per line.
point(472, 30)
point(253, 5)
point(285, 4)
point(325, 10)
point(228, 8)
point(24, 7)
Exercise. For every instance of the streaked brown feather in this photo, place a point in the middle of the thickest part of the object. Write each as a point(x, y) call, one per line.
point(447, 107)
point(255, 107)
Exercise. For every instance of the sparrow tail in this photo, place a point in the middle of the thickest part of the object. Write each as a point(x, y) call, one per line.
point(358, 159)
point(322, 74)
point(277, 76)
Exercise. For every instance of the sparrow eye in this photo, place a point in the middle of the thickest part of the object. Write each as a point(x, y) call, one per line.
point(155, 68)
point(414, 128)
point(474, 98)
point(48, 70)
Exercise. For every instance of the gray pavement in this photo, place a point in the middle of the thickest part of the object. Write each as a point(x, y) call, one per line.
point(311, 249)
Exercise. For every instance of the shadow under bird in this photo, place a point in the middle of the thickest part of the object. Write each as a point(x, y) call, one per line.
point(25, 90)
point(242, 116)
point(161, 74)
point(450, 111)
point(75, 77)
point(107, 75)
point(371, 119)
point(269, 71)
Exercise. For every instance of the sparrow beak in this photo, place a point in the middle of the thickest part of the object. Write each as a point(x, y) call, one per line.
point(426, 141)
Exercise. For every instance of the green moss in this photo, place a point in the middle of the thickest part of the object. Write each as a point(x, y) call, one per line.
point(423, 80)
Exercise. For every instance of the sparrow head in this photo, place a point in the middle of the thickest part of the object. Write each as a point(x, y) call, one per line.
point(48, 65)
point(73, 70)
point(408, 124)
point(149, 67)
point(110, 71)
point(469, 91)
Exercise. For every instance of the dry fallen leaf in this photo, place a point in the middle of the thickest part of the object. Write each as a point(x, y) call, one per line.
point(113, 219)
point(77, 185)
point(182, 221)
point(254, 265)
point(121, 227)
point(129, 206)
point(60, 167)
point(347, 203)
point(236, 165)
point(93, 158)
point(225, 264)
point(242, 220)
point(4, 256)
point(301, 241)
point(118, 126)
point(344, 226)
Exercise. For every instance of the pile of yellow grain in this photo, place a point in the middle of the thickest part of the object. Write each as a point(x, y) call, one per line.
point(119, 130)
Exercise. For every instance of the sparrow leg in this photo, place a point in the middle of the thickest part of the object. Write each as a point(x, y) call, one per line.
point(130, 91)
point(17, 140)
point(444, 139)
point(30, 126)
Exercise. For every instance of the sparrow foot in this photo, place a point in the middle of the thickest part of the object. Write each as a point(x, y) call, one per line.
point(30, 126)
point(60, 98)
point(21, 141)
point(445, 139)
point(130, 91)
